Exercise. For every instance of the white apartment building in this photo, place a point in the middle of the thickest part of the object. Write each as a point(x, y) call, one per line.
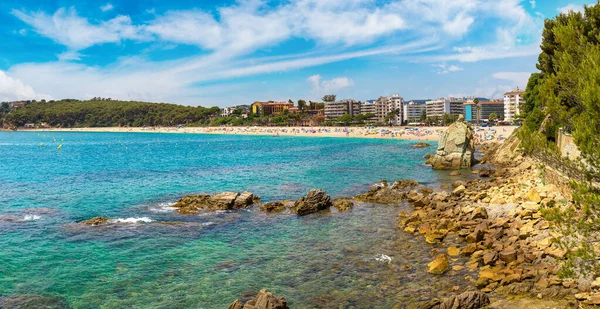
point(340, 108)
point(412, 111)
point(228, 111)
point(512, 101)
point(385, 105)
point(441, 106)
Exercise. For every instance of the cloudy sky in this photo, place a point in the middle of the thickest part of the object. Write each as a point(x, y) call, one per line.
point(233, 52)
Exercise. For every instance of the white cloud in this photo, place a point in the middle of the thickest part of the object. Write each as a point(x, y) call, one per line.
point(322, 87)
point(571, 7)
point(518, 78)
point(23, 32)
point(107, 7)
point(12, 89)
point(532, 2)
point(445, 69)
point(77, 33)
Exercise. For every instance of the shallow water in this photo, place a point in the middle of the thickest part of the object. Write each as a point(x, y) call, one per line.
point(319, 261)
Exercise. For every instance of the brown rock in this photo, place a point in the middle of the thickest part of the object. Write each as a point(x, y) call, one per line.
point(489, 257)
point(466, 300)
point(223, 201)
point(555, 252)
point(421, 145)
point(272, 207)
point(244, 200)
point(455, 173)
point(453, 251)
point(508, 256)
point(342, 204)
point(439, 266)
point(96, 221)
point(479, 213)
point(264, 300)
point(533, 196)
point(236, 305)
point(314, 201)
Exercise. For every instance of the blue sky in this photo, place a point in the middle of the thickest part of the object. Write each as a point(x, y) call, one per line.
point(235, 52)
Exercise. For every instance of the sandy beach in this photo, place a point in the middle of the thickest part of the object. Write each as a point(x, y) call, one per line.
point(406, 133)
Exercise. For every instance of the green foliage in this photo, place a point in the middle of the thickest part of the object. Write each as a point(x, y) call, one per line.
point(493, 117)
point(106, 113)
point(329, 98)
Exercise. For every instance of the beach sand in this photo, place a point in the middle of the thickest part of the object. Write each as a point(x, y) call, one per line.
point(406, 133)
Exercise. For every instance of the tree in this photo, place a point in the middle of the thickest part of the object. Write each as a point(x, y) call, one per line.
point(423, 117)
point(478, 109)
point(493, 117)
point(290, 101)
point(329, 98)
point(345, 119)
point(389, 118)
point(301, 105)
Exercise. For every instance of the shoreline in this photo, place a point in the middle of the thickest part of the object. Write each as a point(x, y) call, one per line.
point(399, 133)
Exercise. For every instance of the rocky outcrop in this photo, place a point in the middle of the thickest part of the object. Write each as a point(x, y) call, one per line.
point(273, 207)
point(264, 300)
point(314, 201)
point(192, 204)
point(456, 147)
point(95, 221)
point(342, 204)
point(439, 266)
point(420, 145)
point(466, 300)
point(383, 193)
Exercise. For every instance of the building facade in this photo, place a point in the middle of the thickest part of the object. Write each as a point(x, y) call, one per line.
point(512, 102)
point(486, 108)
point(441, 106)
point(412, 111)
point(340, 108)
point(386, 105)
point(271, 108)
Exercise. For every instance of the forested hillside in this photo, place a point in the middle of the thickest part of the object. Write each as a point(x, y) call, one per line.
point(107, 113)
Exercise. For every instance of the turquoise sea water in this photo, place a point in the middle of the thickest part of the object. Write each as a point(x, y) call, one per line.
point(318, 261)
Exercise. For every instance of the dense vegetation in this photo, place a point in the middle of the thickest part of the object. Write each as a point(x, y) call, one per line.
point(106, 113)
point(565, 95)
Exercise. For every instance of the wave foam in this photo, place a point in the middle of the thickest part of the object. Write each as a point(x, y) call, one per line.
point(163, 207)
point(31, 217)
point(131, 220)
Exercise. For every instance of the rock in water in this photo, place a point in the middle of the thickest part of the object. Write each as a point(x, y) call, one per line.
point(272, 207)
point(223, 201)
point(420, 145)
point(342, 204)
point(466, 300)
point(439, 266)
point(96, 221)
point(244, 200)
point(314, 201)
point(264, 300)
point(192, 204)
point(456, 147)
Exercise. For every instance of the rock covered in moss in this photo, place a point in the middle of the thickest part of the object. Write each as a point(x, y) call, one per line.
point(342, 204)
point(96, 221)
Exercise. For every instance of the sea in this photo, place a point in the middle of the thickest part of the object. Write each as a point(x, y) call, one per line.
point(150, 256)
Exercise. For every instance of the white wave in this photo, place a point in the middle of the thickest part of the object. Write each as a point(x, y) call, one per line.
point(31, 217)
point(207, 223)
point(131, 220)
point(383, 258)
point(163, 207)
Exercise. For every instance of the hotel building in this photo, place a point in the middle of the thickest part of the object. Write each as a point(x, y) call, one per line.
point(512, 101)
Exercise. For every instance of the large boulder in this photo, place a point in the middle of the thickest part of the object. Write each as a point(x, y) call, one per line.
point(264, 300)
point(456, 147)
point(315, 200)
point(192, 204)
point(466, 300)
point(96, 221)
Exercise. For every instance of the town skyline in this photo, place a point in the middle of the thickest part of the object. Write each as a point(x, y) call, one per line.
point(219, 52)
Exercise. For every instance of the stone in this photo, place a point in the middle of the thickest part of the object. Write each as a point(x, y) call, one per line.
point(191, 204)
point(264, 300)
point(531, 206)
point(272, 207)
point(342, 204)
point(455, 173)
point(486, 172)
point(508, 256)
point(223, 201)
point(458, 267)
point(555, 252)
point(465, 300)
point(455, 148)
point(427, 156)
point(421, 145)
point(479, 213)
point(435, 236)
point(489, 257)
point(314, 201)
point(439, 265)
point(533, 196)
point(459, 190)
point(244, 200)
point(459, 183)
point(95, 221)
point(453, 251)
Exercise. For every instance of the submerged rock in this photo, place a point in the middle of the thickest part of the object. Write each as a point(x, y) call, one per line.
point(264, 300)
point(342, 204)
point(420, 145)
point(33, 301)
point(314, 201)
point(96, 221)
point(456, 147)
point(466, 300)
point(439, 266)
point(272, 207)
point(192, 204)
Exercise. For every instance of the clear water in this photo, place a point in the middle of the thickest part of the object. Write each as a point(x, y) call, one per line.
point(318, 261)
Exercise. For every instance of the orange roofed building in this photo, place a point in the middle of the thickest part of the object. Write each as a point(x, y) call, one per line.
point(272, 108)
